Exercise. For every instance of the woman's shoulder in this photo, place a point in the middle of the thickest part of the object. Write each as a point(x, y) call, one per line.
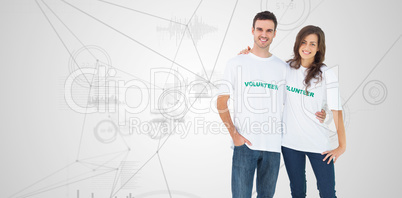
point(324, 67)
point(329, 73)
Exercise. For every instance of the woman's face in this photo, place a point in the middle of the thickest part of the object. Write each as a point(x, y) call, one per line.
point(309, 47)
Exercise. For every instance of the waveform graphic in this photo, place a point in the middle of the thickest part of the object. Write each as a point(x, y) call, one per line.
point(197, 28)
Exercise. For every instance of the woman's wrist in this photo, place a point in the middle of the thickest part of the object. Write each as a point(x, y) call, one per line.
point(342, 146)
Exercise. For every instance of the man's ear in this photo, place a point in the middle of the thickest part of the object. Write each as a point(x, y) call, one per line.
point(252, 30)
point(274, 34)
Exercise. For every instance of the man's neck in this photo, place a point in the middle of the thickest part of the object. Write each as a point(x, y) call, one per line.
point(263, 53)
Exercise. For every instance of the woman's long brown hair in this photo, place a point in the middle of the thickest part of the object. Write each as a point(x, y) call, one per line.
point(314, 71)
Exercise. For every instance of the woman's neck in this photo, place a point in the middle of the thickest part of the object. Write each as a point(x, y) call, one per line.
point(307, 62)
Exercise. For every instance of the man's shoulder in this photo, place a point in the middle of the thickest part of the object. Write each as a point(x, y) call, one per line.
point(279, 61)
point(238, 58)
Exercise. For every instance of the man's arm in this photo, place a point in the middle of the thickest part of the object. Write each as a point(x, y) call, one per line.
point(321, 115)
point(224, 113)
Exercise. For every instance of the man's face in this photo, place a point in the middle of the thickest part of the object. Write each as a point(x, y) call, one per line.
point(264, 32)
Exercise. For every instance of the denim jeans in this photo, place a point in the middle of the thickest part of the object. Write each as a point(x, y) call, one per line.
point(295, 162)
point(245, 162)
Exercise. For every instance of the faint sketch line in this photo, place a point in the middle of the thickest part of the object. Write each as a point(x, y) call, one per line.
point(127, 36)
point(117, 176)
point(141, 12)
point(103, 155)
point(181, 40)
point(287, 8)
point(134, 174)
point(136, 77)
point(195, 11)
point(223, 41)
point(187, 110)
point(89, 51)
point(61, 21)
point(164, 175)
point(90, 83)
point(42, 179)
point(196, 49)
point(43, 190)
point(97, 165)
point(316, 6)
point(376, 65)
point(156, 153)
point(103, 164)
point(58, 35)
point(85, 115)
point(198, 53)
point(295, 28)
point(175, 55)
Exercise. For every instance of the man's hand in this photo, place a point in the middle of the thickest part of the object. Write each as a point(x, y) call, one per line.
point(239, 140)
point(321, 115)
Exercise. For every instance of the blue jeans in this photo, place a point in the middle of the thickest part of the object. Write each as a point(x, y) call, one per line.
point(295, 162)
point(245, 162)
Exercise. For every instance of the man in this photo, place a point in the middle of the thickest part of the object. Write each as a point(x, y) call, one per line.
point(256, 84)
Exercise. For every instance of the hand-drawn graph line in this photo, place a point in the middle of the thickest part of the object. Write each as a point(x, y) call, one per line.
point(132, 39)
point(65, 46)
point(290, 32)
point(173, 62)
point(375, 66)
point(192, 103)
point(78, 161)
point(58, 35)
point(69, 181)
point(161, 146)
point(157, 152)
point(116, 178)
point(64, 183)
point(347, 100)
point(145, 13)
point(223, 41)
point(182, 37)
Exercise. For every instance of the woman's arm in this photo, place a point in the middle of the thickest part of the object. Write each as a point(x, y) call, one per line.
point(340, 128)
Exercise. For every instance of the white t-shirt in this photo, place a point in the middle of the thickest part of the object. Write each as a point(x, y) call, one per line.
point(256, 86)
point(302, 130)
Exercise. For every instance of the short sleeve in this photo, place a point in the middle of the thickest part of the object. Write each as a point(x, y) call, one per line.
point(333, 94)
point(226, 85)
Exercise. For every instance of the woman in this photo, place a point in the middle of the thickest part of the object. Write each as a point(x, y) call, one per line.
point(311, 86)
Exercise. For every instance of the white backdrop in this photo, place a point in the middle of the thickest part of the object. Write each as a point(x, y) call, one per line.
point(116, 98)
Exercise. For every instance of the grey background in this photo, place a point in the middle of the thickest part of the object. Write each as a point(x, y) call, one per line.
point(50, 150)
